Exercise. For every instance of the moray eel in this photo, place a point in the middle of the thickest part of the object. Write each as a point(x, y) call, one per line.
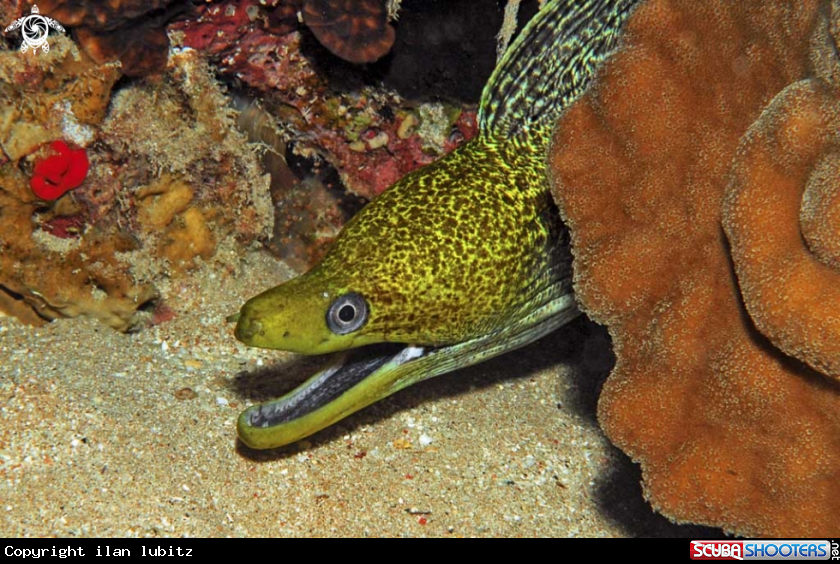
point(458, 262)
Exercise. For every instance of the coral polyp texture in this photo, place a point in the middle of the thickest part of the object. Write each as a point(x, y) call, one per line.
point(169, 184)
point(730, 431)
point(783, 221)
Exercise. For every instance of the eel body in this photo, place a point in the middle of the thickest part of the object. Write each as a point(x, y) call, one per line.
point(458, 262)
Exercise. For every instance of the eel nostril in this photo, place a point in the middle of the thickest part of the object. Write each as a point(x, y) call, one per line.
point(246, 328)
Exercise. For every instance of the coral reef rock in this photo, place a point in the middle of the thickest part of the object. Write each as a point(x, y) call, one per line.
point(321, 113)
point(729, 430)
point(171, 182)
point(362, 132)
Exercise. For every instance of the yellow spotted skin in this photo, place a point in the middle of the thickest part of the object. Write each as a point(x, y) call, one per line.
point(426, 256)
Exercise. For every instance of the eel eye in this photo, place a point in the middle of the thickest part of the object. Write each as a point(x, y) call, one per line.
point(347, 314)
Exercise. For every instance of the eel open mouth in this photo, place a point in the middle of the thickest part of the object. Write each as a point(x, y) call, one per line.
point(324, 387)
point(365, 375)
point(325, 397)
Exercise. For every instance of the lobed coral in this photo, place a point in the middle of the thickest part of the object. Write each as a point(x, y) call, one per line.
point(782, 217)
point(195, 181)
point(47, 98)
point(729, 431)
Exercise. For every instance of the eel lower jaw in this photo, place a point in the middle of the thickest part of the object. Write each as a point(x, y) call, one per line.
point(354, 380)
point(363, 376)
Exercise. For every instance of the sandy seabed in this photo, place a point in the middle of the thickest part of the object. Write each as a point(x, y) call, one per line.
point(107, 434)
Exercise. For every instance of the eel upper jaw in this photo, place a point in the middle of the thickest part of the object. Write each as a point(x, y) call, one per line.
point(363, 376)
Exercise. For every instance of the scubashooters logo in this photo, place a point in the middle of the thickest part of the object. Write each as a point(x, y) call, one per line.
point(35, 28)
point(761, 550)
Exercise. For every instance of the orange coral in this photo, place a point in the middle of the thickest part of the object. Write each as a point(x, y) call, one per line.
point(789, 169)
point(729, 431)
